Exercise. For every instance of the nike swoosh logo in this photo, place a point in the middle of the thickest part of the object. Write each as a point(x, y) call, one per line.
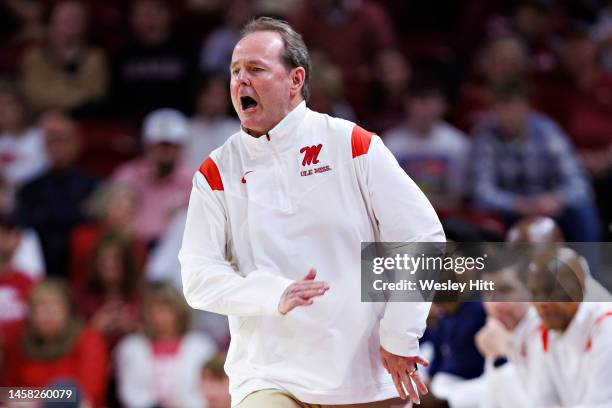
point(243, 177)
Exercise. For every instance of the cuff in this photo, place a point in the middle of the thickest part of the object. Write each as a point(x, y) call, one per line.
point(275, 287)
point(401, 345)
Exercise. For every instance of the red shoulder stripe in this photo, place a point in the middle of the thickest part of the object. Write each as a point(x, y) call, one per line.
point(210, 171)
point(544, 334)
point(597, 323)
point(360, 141)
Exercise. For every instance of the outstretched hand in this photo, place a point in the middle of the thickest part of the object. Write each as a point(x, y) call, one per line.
point(405, 376)
point(302, 292)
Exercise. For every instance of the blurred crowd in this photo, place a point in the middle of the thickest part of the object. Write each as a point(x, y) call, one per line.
point(498, 109)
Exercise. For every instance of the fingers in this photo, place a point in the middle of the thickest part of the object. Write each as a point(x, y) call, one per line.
point(310, 293)
point(384, 363)
point(412, 393)
point(421, 387)
point(311, 275)
point(307, 285)
point(421, 361)
point(398, 384)
point(301, 294)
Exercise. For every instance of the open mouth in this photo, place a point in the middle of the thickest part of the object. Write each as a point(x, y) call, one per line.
point(247, 102)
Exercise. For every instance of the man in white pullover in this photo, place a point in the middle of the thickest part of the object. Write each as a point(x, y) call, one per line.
point(287, 201)
point(576, 335)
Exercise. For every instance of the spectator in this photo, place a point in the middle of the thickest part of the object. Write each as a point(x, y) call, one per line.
point(65, 73)
point(523, 165)
point(22, 25)
point(575, 334)
point(510, 341)
point(212, 124)
point(534, 23)
point(22, 152)
point(27, 256)
point(162, 366)
point(155, 69)
point(456, 359)
point(215, 384)
point(113, 207)
point(110, 298)
point(432, 152)
point(216, 51)
point(15, 285)
point(56, 347)
point(163, 266)
point(160, 179)
point(327, 89)
point(52, 204)
point(392, 75)
point(580, 98)
point(603, 32)
point(502, 60)
point(358, 29)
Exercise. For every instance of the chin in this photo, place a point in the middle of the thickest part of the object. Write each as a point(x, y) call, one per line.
point(252, 125)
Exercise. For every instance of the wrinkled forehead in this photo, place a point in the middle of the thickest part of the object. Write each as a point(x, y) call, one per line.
point(264, 46)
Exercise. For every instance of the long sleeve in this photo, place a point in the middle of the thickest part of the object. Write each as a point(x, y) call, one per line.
point(505, 388)
point(486, 191)
point(403, 214)
point(599, 393)
point(93, 367)
point(573, 186)
point(134, 370)
point(209, 281)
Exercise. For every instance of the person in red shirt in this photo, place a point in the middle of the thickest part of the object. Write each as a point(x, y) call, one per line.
point(110, 298)
point(113, 206)
point(57, 348)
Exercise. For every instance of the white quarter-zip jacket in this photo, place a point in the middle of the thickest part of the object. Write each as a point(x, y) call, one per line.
point(262, 212)
point(570, 369)
point(496, 387)
point(523, 367)
point(579, 360)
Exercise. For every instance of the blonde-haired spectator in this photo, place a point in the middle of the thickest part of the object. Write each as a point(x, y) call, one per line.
point(161, 366)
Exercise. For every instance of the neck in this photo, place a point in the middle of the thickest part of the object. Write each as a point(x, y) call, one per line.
point(166, 335)
point(154, 38)
point(514, 324)
point(255, 133)
point(423, 129)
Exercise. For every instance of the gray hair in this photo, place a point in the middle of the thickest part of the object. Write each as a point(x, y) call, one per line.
point(295, 53)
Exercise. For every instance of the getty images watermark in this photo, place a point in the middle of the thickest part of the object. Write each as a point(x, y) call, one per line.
point(433, 271)
point(428, 263)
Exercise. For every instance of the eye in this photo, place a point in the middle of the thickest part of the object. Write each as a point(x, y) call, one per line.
point(257, 69)
point(235, 71)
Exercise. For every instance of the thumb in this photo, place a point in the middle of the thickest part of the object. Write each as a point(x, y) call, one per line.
point(311, 275)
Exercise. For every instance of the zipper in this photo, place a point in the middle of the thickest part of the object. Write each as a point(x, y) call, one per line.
point(282, 177)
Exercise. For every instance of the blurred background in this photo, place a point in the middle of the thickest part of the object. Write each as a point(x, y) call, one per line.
point(498, 109)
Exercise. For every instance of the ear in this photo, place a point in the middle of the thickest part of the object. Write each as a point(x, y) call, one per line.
point(298, 76)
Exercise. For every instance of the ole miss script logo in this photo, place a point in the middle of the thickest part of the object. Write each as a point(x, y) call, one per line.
point(311, 156)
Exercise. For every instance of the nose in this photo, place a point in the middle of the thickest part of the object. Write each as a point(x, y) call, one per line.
point(242, 77)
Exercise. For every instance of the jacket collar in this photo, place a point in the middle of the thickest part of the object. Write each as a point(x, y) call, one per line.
point(279, 138)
